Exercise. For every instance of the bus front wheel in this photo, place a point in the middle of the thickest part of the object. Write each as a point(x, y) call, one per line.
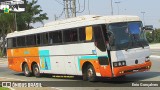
point(89, 74)
point(36, 71)
point(26, 71)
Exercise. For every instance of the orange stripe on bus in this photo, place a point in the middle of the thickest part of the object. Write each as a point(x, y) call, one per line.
point(17, 56)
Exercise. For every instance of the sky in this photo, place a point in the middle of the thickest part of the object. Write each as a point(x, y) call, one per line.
point(103, 7)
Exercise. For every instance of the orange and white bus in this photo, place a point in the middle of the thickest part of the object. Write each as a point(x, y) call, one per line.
point(90, 46)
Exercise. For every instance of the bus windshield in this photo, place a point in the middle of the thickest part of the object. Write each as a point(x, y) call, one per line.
point(127, 35)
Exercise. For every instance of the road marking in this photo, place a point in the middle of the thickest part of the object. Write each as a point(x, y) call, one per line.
point(3, 62)
point(11, 88)
point(56, 88)
point(155, 56)
point(11, 78)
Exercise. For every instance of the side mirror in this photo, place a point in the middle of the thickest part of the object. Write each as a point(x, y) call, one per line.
point(148, 27)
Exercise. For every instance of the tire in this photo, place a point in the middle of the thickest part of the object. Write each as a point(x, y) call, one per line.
point(89, 74)
point(36, 70)
point(26, 71)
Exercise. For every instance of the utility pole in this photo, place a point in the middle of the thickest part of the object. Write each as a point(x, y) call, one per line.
point(143, 17)
point(111, 8)
point(88, 8)
point(118, 6)
point(66, 9)
point(55, 17)
point(73, 8)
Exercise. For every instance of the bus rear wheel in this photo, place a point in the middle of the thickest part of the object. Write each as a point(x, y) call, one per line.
point(26, 71)
point(36, 70)
point(89, 74)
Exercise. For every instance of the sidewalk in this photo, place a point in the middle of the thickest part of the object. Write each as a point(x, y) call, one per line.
point(3, 62)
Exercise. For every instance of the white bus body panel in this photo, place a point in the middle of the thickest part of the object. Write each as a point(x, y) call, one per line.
point(64, 58)
point(130, 55)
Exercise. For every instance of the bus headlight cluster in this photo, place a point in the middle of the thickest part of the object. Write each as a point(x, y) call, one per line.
point(119, 64)
point(147, 59)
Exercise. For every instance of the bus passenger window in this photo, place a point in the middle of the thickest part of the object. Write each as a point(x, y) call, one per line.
point(70, 35)
point(82, 34)
point(31, 40)
point(44, 37)
point(14, 42)
point(38, 39)
point(21, 41)
point(99, 39)
point(10, 43)
point(55, 37)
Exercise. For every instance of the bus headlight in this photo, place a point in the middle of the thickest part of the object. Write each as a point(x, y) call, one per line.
point(124, 63)
point(119, 63)
point(115, 64)
point(147, 59)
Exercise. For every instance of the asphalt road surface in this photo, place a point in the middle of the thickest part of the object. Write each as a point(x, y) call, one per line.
point(152, 75)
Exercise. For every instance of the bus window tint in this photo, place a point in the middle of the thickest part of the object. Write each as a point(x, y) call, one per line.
point(10, 42)
point(21, 41)
point(14, 42)
point(99, 39)
point(70, 35)
point(55, 37)
point(44, 37)
point(82, 34)
point(38, 39)
point(31, 40)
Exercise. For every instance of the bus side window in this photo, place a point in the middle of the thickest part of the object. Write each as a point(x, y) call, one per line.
point(21, 41)
point(82, 34)
point(31, 40)
point(38, 39)
point(10, 43)
point(14, 42)
point(70, 35)
point(55, 37)
point(44, 37)
point(99, 39)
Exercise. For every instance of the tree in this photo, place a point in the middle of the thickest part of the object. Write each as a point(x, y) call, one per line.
point(6, 26)
point(32, 14)
point(154, 36)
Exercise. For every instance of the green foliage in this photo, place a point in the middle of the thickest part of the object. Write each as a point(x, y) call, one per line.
point(33, 14)
point(154, 36)
point(6, 23)
point(4, 88)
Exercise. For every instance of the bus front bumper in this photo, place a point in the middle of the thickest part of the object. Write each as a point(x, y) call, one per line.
point(124, 70)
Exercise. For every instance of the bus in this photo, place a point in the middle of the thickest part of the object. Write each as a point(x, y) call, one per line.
point(90, 46)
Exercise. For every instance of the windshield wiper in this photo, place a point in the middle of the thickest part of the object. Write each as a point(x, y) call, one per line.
point(129, 43)
point(140, 43)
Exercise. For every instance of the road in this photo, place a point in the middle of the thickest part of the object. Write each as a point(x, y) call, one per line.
point(152, 75)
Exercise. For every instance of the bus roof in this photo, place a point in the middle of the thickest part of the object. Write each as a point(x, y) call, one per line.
point(79, 21)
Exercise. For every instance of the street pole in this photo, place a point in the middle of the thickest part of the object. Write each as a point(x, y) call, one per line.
point(118, 6)
point(88, 8)
point(143, 17)
point(66, 9)
point(73, 8)
point(111, 8)
point(55, 17)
